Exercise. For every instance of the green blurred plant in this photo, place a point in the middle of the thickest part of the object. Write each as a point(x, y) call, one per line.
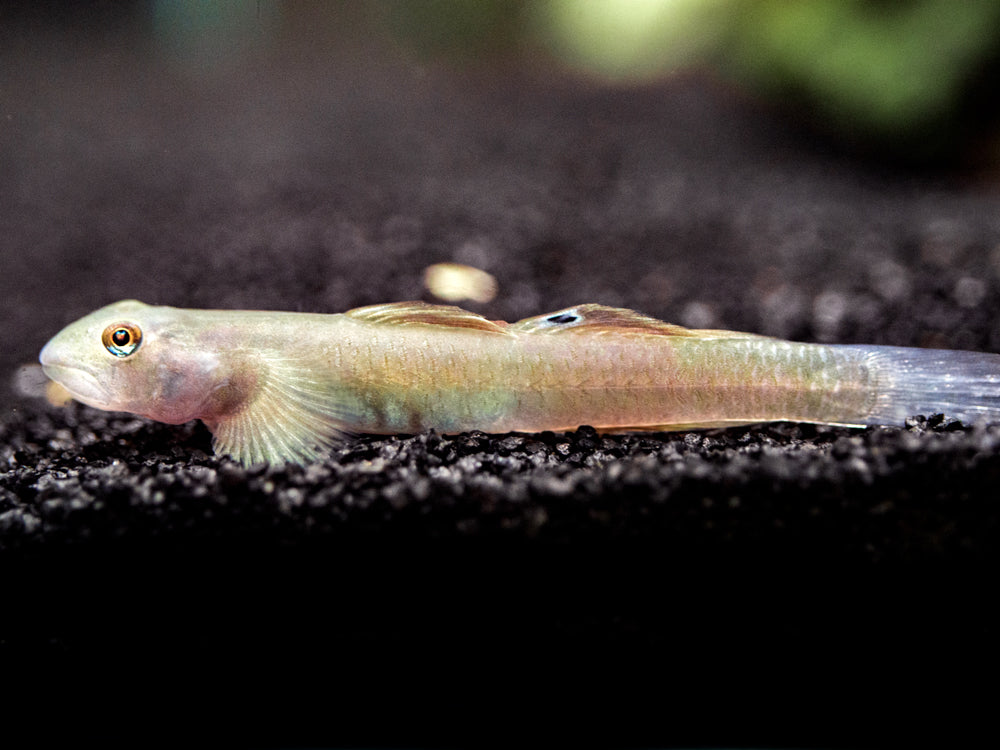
point(899, 75)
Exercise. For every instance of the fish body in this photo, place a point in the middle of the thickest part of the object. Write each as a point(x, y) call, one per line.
point(282, 386)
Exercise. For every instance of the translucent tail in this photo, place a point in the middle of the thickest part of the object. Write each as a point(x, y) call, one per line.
point(960, 384)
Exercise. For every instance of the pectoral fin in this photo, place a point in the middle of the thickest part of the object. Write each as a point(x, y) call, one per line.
point(288, 417)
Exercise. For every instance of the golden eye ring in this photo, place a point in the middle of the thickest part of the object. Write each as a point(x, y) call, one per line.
point(122, 339)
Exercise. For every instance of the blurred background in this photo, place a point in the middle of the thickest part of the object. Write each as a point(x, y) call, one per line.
point(910, 80)
point(822, 170)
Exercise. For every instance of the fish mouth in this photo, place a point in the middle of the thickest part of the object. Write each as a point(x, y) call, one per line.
point(82, 385)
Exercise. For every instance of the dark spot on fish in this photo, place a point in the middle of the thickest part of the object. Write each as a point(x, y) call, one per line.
point(562, 319)
point(170, 382)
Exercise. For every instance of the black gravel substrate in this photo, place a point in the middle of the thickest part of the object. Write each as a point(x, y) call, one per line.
point(781, 582)
point(785, 584)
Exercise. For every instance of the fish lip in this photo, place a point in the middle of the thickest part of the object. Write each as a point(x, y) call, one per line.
point(81, 384)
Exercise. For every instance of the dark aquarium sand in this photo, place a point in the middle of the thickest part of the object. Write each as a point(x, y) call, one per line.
point(776, 582)
point(784, 584)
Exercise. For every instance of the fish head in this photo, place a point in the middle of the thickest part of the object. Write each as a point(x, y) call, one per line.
point(133, 357)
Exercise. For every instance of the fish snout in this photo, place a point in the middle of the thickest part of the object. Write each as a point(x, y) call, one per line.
point(45, 356)
point(59, 350)
point(60, 365)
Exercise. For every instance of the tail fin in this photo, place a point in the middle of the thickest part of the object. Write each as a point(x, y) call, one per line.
point(960, 384)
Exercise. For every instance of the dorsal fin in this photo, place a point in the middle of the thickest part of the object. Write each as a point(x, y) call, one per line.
point(423, 313)
point(592, 318)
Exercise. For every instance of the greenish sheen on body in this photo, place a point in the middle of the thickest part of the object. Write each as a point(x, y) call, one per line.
point(283, 387)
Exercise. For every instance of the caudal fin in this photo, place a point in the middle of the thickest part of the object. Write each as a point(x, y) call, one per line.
point(960, 384)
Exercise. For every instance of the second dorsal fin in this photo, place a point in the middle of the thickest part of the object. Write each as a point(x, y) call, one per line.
point(423, 313)
point(592, 318)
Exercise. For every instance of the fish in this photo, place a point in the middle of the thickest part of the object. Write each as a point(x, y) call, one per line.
point(285, 387)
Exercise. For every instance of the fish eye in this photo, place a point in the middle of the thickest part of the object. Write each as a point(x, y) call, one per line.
point(122, 339)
